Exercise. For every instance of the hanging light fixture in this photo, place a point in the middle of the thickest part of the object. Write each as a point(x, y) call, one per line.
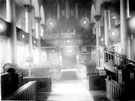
point(51, 23)
point(114, 35)
point(3, 26)
point(85, 22)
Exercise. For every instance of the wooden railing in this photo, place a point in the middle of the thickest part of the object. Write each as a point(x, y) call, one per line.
point(114, 90)
point(120, 82)
point(116, 59)
point(27, 92)
point(43, 83)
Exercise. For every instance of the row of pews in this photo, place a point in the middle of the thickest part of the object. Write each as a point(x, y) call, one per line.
point(25, 92)
point(17, 87)
point(10, 83)
point(12, 87)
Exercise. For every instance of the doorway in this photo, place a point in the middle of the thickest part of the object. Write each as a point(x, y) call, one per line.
point(68, 57)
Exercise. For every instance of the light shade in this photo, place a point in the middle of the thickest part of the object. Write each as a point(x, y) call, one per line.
point(85, 22)
point(131, 24)
point(51, 23)
point(114, 34)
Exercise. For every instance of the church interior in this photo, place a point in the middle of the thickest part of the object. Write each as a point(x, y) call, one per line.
point(67, 50)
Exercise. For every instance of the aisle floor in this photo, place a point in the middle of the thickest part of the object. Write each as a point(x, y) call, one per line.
point(69, 91)
point(69, 87)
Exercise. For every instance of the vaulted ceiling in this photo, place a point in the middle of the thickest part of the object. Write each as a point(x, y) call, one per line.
point(50, 6)
point(68, 25)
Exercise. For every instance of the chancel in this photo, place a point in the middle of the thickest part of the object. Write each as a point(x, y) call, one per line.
point(67, 50)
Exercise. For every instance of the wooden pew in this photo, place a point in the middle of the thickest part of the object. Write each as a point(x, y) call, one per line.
point(43, 83)
point(96, 81)
point(25, 92)
point(10, 83)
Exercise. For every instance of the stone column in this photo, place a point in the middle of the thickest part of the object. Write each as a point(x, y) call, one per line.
point(109, 19)
point(28, 9)
point(123, 28)
point(106, 28)
point(38, 36)
point(8, 10)
point(42, 29)
point(58, 10)
point(60, 58)
point(130, 53)
point(67, 9)
point(76, 10)
point(77, 56)
point(97, 17)
point(128, 9)
point(92, 26)
point(11, 17)
point(107, 22)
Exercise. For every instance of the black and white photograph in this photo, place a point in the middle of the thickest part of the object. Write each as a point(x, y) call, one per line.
point(67, 50)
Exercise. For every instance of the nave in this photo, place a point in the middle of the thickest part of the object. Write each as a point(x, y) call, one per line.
point(45, 44)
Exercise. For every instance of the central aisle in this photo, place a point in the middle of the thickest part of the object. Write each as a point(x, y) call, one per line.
point(69, 88)
point(69, 92)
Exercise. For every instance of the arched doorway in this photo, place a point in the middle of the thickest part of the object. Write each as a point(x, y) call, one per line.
point(68, 54)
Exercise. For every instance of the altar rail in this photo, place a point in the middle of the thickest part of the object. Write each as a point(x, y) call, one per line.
point(27, 92)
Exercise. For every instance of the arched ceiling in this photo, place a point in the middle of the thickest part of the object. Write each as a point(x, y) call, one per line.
point(86, 8)
point(34, 3)
point(50, 5)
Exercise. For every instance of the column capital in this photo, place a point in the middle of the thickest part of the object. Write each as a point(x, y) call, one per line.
point(38, 19)
point(92, 24)
point(106, 5)
point(97, 17)
point(42, 25)
point(28, 7)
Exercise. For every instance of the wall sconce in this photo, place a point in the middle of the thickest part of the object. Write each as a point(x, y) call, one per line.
point(23, 36)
